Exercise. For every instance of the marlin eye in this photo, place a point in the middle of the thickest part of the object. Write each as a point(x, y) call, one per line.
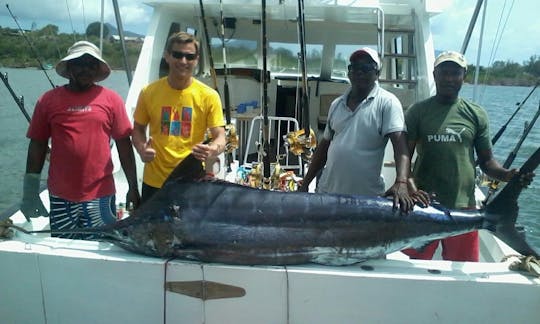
point(174, 212)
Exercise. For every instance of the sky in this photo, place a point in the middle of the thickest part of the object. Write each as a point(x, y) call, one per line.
point(511, 28)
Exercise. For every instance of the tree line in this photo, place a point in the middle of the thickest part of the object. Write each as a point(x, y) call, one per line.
point(50, 46)
point(508, 73)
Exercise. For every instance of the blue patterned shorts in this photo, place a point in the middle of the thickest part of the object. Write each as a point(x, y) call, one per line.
point(68, 215)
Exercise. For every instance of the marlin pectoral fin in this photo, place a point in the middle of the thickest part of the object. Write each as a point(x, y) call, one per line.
point(189, 169)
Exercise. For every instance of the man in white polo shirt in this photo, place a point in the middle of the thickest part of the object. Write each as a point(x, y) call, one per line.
point(360, 122)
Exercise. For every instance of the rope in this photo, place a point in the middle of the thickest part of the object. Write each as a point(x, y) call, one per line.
point(528, 264)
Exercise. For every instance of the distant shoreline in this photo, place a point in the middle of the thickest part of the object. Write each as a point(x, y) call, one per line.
point(506, 81)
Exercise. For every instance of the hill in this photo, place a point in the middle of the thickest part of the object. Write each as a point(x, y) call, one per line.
point(114, 31)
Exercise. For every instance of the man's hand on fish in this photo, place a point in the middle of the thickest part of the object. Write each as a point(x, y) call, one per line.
point(419, 196)
point(400, 193)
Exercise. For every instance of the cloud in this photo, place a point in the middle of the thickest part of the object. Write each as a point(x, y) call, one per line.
point(75, 15)
point(508, 33)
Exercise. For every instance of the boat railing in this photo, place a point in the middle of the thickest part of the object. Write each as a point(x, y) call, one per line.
point(278, 126)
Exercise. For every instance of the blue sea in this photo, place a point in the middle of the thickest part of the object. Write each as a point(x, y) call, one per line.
point(500, 102)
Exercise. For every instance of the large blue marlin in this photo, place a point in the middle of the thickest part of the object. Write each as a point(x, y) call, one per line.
point(215, 221)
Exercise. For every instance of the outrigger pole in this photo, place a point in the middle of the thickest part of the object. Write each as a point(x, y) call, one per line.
point(208, 47)
point(31, 46)
point(472, 23)
point(122, 40)
point(20, 103)
point(228, 155)
point(266, 140)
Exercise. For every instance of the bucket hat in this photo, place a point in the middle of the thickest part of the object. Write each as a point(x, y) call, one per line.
point(79, 49)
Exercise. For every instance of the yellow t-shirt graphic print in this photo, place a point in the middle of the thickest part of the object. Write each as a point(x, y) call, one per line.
point(172, 125)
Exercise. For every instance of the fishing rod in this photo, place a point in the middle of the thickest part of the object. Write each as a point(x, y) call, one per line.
point(472, 23)
point(266, 132)
point(122, 40)
point(87, 231)
point(512, 156)
point(208, 47)
point(31, 46)
point(503, 128)
point(228, 155)
point(304, 102)
point(18, 100)
point(302, 142)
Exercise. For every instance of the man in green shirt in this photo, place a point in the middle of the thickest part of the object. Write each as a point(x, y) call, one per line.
point(446, 131)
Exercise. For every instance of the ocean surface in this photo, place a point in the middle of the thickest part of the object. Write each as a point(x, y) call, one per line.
point(500, 102)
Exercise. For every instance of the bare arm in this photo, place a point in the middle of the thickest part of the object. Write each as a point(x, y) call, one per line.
point(37, 150)
point(399, 189)
point(127, 160)
point(492, 168)
point(419, 196)
point(318, 161)
point(31, 205)
point(401, 155)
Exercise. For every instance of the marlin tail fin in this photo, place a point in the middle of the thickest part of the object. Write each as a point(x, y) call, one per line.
point(502, 210)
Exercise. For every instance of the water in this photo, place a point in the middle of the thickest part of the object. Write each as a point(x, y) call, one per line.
point(499, 101)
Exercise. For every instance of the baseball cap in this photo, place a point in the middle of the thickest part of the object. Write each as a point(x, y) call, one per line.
point(451, 56)
point(366, 51)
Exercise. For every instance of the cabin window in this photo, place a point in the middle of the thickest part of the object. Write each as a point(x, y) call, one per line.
point(239, 53)
point(283, 58)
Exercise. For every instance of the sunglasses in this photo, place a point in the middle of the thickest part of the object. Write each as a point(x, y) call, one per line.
point(180, 55)
point(364, 68)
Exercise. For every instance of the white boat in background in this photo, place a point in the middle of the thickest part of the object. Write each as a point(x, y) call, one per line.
point(53, 280)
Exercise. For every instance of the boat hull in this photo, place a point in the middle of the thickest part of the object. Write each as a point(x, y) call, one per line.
point(96, 282)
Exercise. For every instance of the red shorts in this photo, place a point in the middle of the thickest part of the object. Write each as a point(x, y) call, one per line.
point(462, 247)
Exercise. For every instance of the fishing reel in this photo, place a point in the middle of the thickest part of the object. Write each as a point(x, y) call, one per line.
point(299, 144)
point(231, 137)
point(279, 179)
point(255, 177)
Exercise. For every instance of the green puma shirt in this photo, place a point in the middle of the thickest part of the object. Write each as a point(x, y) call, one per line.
point(446, 137)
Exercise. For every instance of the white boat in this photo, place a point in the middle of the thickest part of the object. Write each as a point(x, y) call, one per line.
point(53, 280)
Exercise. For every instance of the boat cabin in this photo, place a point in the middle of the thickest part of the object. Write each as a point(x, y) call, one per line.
point(398, 30)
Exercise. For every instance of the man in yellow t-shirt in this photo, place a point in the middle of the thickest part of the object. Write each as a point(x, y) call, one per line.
point(178, 110)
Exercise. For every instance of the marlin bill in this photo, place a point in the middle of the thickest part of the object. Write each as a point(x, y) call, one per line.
point(209, 220)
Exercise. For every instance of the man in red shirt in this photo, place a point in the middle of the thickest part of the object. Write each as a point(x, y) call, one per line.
point(80, 118)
